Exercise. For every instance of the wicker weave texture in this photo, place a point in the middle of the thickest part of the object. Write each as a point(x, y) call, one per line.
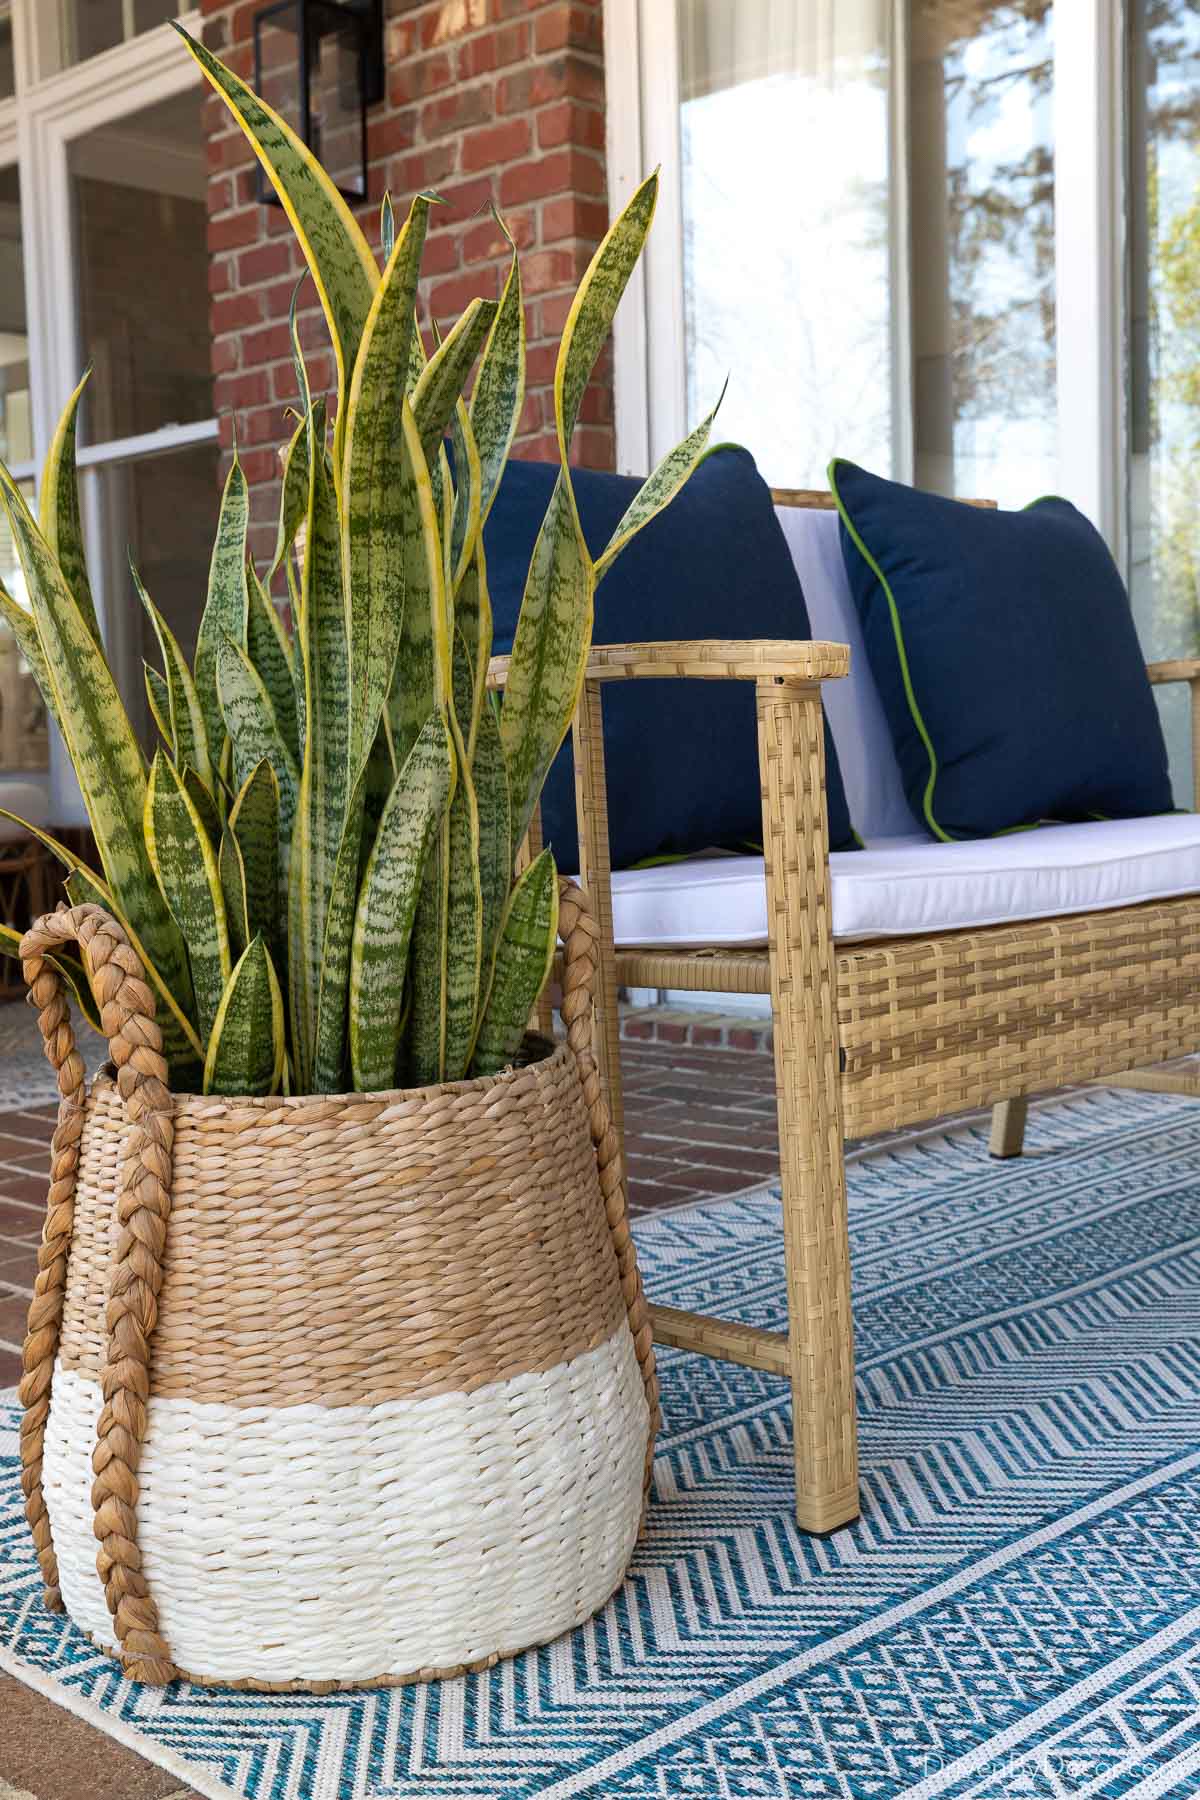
point(401, 1404)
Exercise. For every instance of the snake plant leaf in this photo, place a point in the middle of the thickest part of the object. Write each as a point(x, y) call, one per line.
point(24, 629)
point(387, 227)
point(68, 966)
point(104, 752)
point(658, 490)
point(473, 625)
point(181, 1046)
point(445, 374)
point(62, 525)
point(293, 494)
point(449, 925)
point(329, 1053)
point(467, 517)
point(338, 255)
point(591, 315)
point(246, 1053)
point(298, 363)
point(159, 702)
point(232, 871)
point(325, 772)
point(376, 485)
point(270, 651)
point(227, 604)
point(524, 957)
point(416, 358)
point(254, 732)
point(422, 679)
point(426, 1034)
point(495, 837)
point(387, 904)
point(65, 855)
point(499, 392)
point(254, 825)
point(204, 803)
point(187, 734)
point(185, 863)
point(549, 654)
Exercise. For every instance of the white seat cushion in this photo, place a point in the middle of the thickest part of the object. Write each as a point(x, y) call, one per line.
point(910, 886)
point(874, 790)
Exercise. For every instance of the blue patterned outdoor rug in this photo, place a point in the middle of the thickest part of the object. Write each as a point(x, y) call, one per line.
point(1016, 1614)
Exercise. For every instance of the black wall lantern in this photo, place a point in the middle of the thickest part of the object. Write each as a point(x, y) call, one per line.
point(320, 64)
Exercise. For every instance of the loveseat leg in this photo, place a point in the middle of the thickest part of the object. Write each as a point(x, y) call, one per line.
point(808, 1091)
point(1008, 1127)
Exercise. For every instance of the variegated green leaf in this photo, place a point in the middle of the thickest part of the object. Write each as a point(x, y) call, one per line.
point(595, 302)
point(422, 679)
point(524, 957)
point(499, 392)
point(24, 629)
point(293, 494)
point(68, 966)
point(329, 1057)
point(254, 732)
point(387, 227)
point(387, 905)
point(225, 610)
point(658, 490)
point(376, 487)
point(325, 774)
point(62, 526)
point(549, 655)
point(271, 653)
point(66, 856)
point(445, 374)
point(104, 752)
point(246, 1052)
point(466, 520)
point(443, 1025)
point(426, 1036)
point(303, 390)
point(254, 824)
point(159, 702)
point(185, 863)
point(338, 255)
point(495, 837)
point(204, 803)
point(473, 624)
point(232, 871)
point(188, 733)
point(181, 1046)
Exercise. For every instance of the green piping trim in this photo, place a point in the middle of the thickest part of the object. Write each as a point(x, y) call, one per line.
point(901, 654)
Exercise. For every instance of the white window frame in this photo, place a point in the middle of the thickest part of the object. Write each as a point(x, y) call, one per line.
point(642, 64)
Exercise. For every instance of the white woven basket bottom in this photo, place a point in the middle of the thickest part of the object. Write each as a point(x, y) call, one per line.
point(313, 1543)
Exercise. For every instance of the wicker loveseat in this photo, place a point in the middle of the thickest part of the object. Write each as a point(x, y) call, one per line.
point(909, 981)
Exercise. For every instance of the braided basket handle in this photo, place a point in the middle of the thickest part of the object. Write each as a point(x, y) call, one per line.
point(581, 940)
point(126, 1005)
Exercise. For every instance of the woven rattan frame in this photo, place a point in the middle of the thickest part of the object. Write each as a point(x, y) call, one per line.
point(880, 1035)
point(143, 1210)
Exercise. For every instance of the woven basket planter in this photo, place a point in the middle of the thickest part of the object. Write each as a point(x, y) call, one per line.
point(325, 1392)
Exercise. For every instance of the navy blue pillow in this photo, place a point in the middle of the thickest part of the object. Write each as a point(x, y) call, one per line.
point(1004, 650)
point(681, 757)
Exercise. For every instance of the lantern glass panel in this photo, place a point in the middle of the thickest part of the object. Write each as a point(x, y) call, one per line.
point(320, 43)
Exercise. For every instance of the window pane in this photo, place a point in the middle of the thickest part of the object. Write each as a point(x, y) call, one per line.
point(786, 250)
point(16, 438)
point(24, 731)
point(1164, 401)
point(165, 509)
point(89, 26)
point(8, 80)
point(981, 93)
point(138, 190)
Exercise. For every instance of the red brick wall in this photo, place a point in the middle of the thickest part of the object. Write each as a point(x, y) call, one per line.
point(486, 100)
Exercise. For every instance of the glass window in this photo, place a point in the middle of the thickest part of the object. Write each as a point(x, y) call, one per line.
point(24, 727)
point(786, 250)
point(1164, 398)
point(981, 180)
point(139, 212)
point(8, 73)
point(16, 435)
point(90, 26)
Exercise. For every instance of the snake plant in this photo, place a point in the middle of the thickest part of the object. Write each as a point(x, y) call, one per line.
point(318, 865)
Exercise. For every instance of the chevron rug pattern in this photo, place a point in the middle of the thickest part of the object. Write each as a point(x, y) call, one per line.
point(1017, 1614)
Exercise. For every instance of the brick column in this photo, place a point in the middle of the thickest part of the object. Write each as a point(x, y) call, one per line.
point(486, 100)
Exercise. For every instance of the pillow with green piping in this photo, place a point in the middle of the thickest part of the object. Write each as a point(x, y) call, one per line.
point(1005, 654)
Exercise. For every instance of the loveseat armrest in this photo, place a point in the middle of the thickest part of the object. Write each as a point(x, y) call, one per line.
point(1182, 669)
point(708, 659)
